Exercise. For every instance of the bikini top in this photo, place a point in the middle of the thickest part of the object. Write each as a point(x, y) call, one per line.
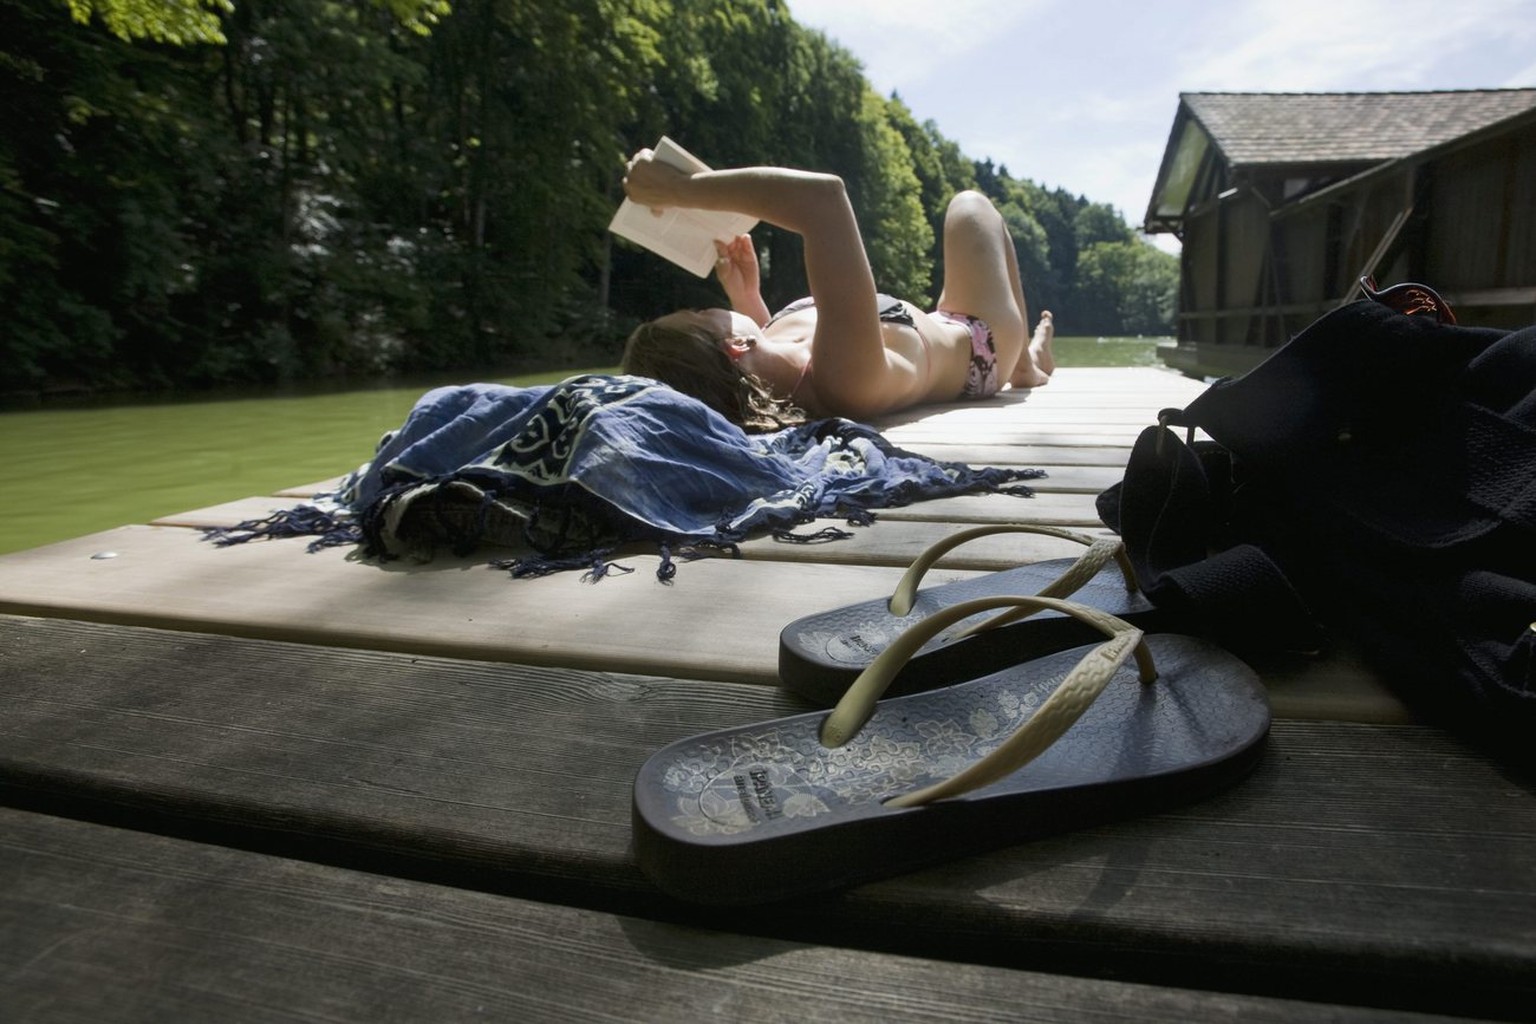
point(892, 310)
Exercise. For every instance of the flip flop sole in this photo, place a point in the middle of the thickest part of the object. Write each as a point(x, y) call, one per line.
point(766, 812)
point(820, 655)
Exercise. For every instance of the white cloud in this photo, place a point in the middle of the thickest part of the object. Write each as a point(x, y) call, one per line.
point(1081, 94)
point(1024, 83)
point(1356, 45)
point(901, 42)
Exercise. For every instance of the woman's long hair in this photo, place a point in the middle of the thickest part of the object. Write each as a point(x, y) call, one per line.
point(691, 360)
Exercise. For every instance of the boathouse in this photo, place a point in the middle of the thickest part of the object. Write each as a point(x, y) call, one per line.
point(1283, 201)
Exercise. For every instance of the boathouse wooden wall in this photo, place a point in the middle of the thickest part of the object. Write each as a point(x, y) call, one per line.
point(1257, 268)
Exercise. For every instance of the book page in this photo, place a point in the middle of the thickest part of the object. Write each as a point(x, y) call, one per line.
point(686, 237)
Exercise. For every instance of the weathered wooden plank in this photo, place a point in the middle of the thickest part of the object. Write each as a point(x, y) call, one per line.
point(982, 417)
point(896, 542)
point(921, 435)
point(1088, 480)
point(1099, 380)
point(1119, 388)
point(104, 924)
point(1051, 509)
point(890, 542)
point(1069, 502)
point(1042, 456)
point(230, 513)
point(326, 486)
point(1376, 865)
point(720, 618)
point(1075, 413)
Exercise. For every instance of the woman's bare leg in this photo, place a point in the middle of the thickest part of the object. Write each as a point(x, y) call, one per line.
point(1038, 358)
point(981, 277)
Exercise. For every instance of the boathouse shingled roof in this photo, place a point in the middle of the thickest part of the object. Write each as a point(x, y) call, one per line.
point(1316, 137)
point(1255, 129)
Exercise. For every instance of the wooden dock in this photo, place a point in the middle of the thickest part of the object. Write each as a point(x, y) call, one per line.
point(262, 783)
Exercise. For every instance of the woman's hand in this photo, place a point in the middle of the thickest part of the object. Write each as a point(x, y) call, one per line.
point(739, 275)
point(651, 183)
point(737, 266)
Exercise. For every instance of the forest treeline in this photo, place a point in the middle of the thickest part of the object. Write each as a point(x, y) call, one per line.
point(296, 189)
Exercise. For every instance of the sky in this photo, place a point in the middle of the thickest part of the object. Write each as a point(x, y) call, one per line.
point(1081, 94)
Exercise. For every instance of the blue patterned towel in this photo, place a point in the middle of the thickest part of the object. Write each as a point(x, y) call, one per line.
point(576, 469)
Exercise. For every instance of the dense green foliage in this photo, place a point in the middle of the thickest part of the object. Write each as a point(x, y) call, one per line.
point(193, 193)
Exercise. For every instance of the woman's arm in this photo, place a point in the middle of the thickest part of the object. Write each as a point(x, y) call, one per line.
point(790, 199)
point(852, 371)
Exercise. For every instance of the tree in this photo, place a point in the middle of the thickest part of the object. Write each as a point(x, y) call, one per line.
point(727, 82)
point(942, 172)
point(186, 22)
point(196, 192)
point(1098, 222)
point(94, 165)
point(531, 100)
point(1035, 223)
point(1126, 287)
point(1032, 249)
point(179, 22)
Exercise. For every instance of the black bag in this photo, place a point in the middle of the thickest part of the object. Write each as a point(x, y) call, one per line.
point(1374, 479)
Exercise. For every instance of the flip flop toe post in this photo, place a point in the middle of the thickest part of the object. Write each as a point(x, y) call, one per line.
point(1073, 739)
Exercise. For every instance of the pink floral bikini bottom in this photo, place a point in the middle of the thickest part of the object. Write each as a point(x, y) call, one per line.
point(981, 378)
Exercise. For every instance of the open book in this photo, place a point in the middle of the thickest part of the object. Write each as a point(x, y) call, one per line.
point(686, 237)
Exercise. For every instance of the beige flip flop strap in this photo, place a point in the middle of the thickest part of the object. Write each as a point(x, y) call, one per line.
point(850, 714)
point(1088, 565)
point(1066, 705)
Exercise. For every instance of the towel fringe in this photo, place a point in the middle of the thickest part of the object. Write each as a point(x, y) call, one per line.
point(698, 549)
point(821, 536)
point(330, 529)
point(600, 571)
point(854, 515)
point(534, 566)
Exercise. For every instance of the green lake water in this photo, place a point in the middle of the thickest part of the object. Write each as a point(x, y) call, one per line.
point(78, 470)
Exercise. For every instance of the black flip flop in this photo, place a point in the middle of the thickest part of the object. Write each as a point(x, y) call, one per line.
point(820, 655)
point(819, 801)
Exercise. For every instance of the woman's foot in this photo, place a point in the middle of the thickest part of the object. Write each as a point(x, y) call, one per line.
point(1038, 362)
point(1040, 344)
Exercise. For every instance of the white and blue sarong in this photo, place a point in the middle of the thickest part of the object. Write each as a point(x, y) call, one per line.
point(575, 470)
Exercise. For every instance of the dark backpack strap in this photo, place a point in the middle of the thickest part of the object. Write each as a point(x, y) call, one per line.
point(1167, 515)
point(1241, 596)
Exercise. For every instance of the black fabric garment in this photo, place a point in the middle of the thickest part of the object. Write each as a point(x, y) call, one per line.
point(1374, 479)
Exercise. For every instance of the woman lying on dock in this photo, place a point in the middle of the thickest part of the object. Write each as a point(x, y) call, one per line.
point(845, 350)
